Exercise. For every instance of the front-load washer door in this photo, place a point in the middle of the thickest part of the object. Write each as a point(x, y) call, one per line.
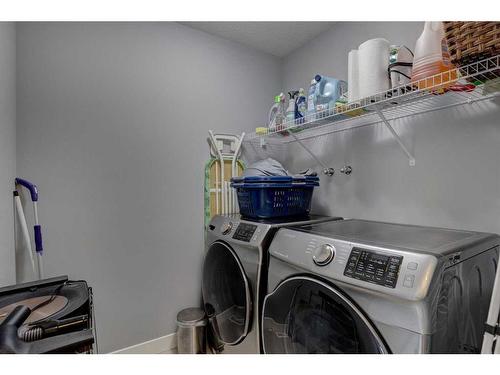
point(308, 315)
point(226, 294)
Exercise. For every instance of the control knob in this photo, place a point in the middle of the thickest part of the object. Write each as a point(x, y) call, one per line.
point(324, 254)
point(226, 227)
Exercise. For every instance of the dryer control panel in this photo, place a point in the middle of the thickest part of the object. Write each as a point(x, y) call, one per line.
point(244, 232)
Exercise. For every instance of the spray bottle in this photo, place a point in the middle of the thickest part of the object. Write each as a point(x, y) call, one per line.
point(276, 115)
point(300, 107)
point(291, 110)
point(280, 116)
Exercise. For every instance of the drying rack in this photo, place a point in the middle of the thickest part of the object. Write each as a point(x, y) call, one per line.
point(434, 93)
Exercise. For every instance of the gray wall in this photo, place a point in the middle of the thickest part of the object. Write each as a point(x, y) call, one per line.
point(7, 149)
point(456, 180)
point(112, 126)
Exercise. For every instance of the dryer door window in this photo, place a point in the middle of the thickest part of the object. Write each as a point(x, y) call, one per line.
point(226, 294)
point(306, 315)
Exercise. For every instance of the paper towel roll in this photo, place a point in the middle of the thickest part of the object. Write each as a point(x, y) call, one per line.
point(373, 61)
point(352, 76)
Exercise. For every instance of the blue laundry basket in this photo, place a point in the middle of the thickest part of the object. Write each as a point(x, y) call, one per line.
point(274, 196)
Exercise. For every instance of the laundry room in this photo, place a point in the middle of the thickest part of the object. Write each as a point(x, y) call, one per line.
point(258, 186)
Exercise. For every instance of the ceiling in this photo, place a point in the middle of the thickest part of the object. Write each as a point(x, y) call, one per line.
point(276, 38)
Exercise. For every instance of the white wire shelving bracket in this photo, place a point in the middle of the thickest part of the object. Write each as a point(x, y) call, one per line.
point(468, 84)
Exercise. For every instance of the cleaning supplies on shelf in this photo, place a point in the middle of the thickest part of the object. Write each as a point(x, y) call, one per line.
point(281, 116)
point(311, 97)
point(373, 57)
point(400, 65)
point(291, 110)
point(341, 107)
point(345, 109)
point(300, 107)
point(299, 103)
point(432, 58)
point(276, 117)
point(353, 76)
point(328, 91)
point(352, 110)
point(271, 117)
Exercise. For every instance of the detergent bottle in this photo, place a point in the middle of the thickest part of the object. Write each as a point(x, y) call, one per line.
point(432, 57)
point(311, 97)
point(300, 107)
point(328, 91)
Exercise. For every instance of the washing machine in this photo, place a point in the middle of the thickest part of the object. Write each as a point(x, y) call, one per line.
point(234, 274)
point(357, 286)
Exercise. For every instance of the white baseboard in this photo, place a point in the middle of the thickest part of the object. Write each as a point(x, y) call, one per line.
point(162, 345)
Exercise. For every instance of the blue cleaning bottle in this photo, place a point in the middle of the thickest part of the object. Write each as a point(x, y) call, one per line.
point(311, 100)
point(300, 107)
point(328, 91)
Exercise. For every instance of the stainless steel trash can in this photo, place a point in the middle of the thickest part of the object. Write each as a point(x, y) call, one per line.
point(191, 331)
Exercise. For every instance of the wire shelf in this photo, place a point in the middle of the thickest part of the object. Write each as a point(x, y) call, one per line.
point(465, 85)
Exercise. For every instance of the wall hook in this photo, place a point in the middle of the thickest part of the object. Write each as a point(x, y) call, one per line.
point(346, 169)
point(329, 171)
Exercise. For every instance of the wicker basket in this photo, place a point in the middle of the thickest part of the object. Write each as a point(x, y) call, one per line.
point(469, 42)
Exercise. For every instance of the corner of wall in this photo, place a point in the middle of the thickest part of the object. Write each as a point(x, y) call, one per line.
point(7, 149)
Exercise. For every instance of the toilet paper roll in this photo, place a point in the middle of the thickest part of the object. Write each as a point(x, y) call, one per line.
point(352, 76)
point(373, 61)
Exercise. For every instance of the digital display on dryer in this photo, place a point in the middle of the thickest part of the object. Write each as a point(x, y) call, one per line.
point(373, 267)
point(244, 232)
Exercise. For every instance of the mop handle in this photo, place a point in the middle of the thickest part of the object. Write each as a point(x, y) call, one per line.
point(34, 198)
point(31, 187)
point(38, 239)
point(24, 227)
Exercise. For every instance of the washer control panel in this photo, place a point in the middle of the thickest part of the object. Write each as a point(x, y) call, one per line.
point(373, 267)
point(244, 232)
point(397, 272)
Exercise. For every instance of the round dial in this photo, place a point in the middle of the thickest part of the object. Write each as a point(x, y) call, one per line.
point(226, 227)
point(324, 254)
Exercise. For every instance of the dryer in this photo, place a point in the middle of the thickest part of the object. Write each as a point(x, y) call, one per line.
point(234, 277)
point(357, 286)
